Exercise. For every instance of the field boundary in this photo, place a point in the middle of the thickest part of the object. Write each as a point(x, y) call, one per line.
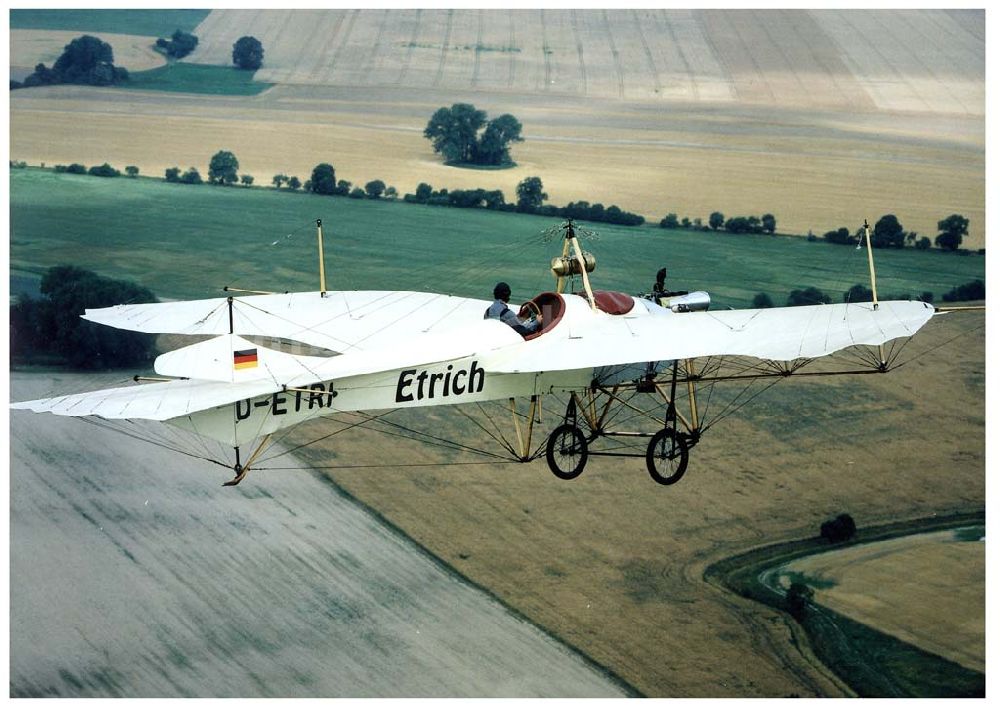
point(834, 638)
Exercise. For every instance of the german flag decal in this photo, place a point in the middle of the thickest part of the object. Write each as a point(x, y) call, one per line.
point(245, 359)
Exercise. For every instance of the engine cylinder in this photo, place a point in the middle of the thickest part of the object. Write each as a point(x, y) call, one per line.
point(568, 265)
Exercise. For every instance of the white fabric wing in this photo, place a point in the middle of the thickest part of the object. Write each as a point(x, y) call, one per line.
point(155, 401)
point(781, 334)
point(341, 321)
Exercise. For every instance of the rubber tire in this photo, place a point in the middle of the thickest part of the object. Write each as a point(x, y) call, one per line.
point(663, 439)
point(556, 438)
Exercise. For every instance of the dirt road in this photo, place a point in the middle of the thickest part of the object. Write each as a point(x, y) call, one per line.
point(133, 573)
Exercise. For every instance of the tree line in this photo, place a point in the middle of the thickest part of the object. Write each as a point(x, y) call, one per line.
point(811, 295)
point(888, 232)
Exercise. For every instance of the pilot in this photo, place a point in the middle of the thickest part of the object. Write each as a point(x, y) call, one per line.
point(499, 311)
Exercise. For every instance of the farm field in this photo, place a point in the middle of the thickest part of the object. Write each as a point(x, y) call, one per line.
point(655, 111)
point(942, 574)
point(610, 563)
point(188, 241)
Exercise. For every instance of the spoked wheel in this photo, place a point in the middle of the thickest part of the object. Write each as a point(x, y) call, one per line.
point(566, 451)
point(667, 456)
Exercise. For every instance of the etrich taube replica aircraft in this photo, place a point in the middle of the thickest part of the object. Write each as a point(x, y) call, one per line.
point(599, 352)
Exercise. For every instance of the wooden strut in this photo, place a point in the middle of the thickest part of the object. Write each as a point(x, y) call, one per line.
point(322, 265)
point(524, 441)
point(228, 289)
point(871, 271)
point(241, 470)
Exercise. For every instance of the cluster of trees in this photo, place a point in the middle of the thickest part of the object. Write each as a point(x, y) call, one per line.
point(179, 45)
point(248, 53)
point(455, 134)
point(460, 198)
point(797, 600)
point(191, 176)
point(531, 196)
point(104, 170)
point(85, 60)
point(973, 290)
point(765, 224)
point(51, 326)
point(889, 233)
point(324, 181)
point(857, 293)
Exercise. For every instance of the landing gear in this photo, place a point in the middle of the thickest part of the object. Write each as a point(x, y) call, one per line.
point(566, 451)
point(667, 456)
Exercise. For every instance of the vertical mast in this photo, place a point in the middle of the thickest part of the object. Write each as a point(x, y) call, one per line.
point(871, 272)
point(571, 238)
point(322, 268)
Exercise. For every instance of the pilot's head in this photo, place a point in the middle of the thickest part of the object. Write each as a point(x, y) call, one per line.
point(501, 291)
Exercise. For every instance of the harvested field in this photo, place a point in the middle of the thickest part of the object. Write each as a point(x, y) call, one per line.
point(29, 47)
point(822, 118)
point(928, 590)
point(844, 59)
point(613, 563)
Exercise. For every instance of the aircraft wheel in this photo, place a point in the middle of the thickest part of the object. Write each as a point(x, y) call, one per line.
point(566, 451)
point(667, 456)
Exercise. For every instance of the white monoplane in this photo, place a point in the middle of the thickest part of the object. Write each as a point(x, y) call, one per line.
point(371, 350)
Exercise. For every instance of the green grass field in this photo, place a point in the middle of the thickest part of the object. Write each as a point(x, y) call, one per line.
point(151, 23)
point(181, 77)
point(185, 241)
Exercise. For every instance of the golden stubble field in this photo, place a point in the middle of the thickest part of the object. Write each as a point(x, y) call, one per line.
point(941, 578)
point(823, 118)
point(613, 563)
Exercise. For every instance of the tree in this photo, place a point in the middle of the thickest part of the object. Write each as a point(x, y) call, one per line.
point(278, 180)
point(839, 529)
point(172, 174)
point(858, 293)
point(888, 233)
point(841, 236)
point(246, 180)
point(248, 53)
point(223, 167)
point(192, 176)
point(797, 599)
point(294, 183)
point(716, 220)
point(424, 192)
point(52, 324)
point(104, 170)
point(951, 231)
point(324, 179)
point(922, 244)
point(453, 131)
point(179, 45)
point(973, 290)
point(493, 147)
point(391, 193)
point(132, 171)
point(343, 187)
point(769, 223)
point(375, 188)
point(761, 301)
point(529, 194)
point(357, 193)
point(86, 60)
point(808, 296)
point(669, 221)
